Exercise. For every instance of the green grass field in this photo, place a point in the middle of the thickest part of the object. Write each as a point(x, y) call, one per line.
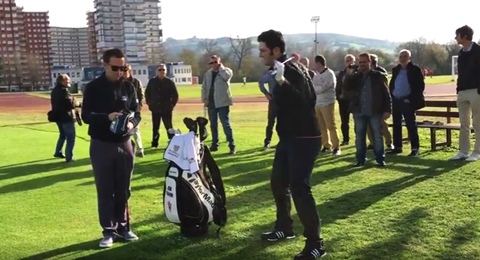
point(249, 90)
point(416, 208)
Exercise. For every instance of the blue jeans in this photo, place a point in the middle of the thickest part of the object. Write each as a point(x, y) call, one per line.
point(222, 113)
point(361, 123)
point(66, 133)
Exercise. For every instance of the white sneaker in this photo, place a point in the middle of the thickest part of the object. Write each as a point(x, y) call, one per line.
point(459, 156)
point(473, 157)
point(107, 241)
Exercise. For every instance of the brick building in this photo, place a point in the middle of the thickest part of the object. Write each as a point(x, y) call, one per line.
point(24, 46)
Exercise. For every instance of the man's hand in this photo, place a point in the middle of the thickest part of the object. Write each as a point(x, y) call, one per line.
point(113, 115)
point(129, 126)
point(296, 57)
point(279, 68)
point(205, 103)
point(385, 116)
point(268, 96)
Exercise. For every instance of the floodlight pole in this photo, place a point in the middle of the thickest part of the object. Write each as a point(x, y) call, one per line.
point(315, 19)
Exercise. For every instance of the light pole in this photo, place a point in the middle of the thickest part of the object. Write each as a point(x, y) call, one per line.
point(315, 19)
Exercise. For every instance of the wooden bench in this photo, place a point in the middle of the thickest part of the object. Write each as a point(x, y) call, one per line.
point(435, 126)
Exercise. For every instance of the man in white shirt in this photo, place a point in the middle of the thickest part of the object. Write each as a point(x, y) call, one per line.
point(324, 83)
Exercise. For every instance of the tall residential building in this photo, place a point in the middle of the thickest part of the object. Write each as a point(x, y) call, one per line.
point(24, 46)
point(131, 25)
point(92, 40)
point(69, 46)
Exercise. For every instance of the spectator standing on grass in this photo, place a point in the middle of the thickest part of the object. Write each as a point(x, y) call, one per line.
point(216, 96)
point(468, 93)
point(370, 104)
point(139, 90)
point(385, 131)
point(324, 83)
point(272, 108)
point(343, 101)
point(161, 96)
point(406, 87)
point(306, 62)
point(297, 149)
point(106, 102)
point(63, 105)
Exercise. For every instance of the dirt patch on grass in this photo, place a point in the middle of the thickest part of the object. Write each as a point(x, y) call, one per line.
point(10, 102)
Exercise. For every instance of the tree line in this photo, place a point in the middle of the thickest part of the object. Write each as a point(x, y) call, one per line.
point(242, 56)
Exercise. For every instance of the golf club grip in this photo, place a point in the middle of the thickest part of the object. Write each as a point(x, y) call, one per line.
point(77, 117)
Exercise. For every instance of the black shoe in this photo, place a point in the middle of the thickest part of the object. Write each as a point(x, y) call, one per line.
point(359, 164)
point(381, 164)
point(370, 147)
point(59, 155)
point(213, 148)
point(395, 151)
point(311, 251)
point(232, 151)
point(276, 235)
point(154, 144)
point(344, 143)
point(414, 153)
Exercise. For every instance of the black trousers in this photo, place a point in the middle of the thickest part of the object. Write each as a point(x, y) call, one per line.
point(272, 115)
point(292, 168)
point(112, 165)
point(166, 118)
point(344, 109)
point(400, 110)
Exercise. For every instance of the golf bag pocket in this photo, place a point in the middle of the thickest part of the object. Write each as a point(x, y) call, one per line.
point(187, 200)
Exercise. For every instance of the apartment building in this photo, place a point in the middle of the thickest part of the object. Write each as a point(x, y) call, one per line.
point(92, 40)
point(69, 46)
point(24, 46)
point(131, 25)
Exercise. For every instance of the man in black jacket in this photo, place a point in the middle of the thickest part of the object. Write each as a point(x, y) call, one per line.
point(370, 103)
point(106, 101)
point(161, 96)
point(63, 105)
point(406, 87)
point(298, 146)
point(343, 102)
point(468, 93)
point(139, 90)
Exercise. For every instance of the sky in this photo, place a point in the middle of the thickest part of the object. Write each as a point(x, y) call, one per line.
point(181, 19)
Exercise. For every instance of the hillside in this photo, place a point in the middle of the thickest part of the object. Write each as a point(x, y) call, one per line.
point(304, 40)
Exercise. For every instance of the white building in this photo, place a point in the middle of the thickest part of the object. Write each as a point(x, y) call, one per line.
point(75, 74)
point(182, 74)
point(131, 25)
point(69, 46)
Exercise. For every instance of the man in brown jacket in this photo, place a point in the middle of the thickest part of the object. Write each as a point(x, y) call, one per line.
point(370, 104)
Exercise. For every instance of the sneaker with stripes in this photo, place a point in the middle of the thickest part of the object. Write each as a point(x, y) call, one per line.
point(276, 235)
point(311, 251)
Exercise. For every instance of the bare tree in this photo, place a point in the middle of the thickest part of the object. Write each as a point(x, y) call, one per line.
point(240, 49)
point(33, 66)
point(11, 71)
point(210, 46)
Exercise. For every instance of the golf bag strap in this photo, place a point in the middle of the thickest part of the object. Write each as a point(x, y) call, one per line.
point(214, 171)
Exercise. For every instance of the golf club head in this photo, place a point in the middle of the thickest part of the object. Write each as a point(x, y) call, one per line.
point(202, 128)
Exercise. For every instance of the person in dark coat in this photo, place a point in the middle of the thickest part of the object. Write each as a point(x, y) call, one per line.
point(161, 96)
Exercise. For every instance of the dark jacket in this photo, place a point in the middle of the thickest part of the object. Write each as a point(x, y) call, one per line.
point(138, 88)
point(381, 69)
point(62, 103)
point(295, 100)
point(102, 97)
point(416, 82)
point(339, 86)
point(381, 99)
point(161, 94)
point(469, 69)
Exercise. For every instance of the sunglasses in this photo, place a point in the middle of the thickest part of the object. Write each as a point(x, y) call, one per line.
point(213, 62)
point(119, 68)
point(161, 69)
